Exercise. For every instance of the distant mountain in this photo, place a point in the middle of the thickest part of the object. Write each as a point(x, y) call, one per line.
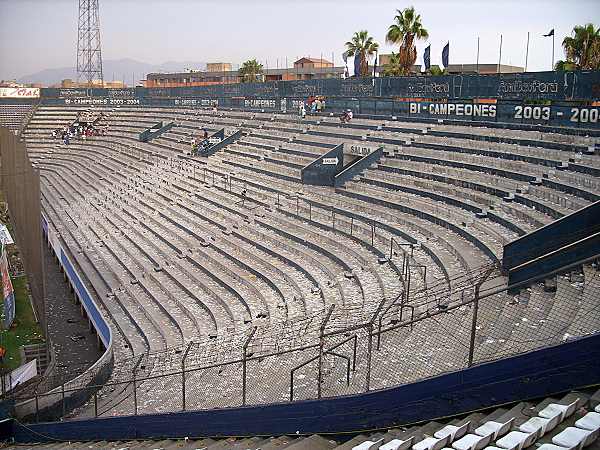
point(119, 69)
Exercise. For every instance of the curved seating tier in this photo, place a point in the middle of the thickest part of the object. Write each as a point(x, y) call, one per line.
point(195, 251)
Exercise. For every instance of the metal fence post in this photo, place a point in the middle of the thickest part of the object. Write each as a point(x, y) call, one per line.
point(96, 403)
point(134, 393)
point(475, 313)
point(321, 346)
point(62, 392)
point(183, 376)
point(474, 326)
point(354, 353)
point(373, 234)
point(245, 350)
point(369, 351)
point(37, 407)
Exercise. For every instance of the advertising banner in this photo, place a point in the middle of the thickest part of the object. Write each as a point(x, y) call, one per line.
point(5, 237)
point(8, 294)
point(20, 375)
point(19, 92)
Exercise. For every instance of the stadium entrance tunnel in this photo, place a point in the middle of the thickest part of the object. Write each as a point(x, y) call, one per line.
point(217, 141)
point(155, 131)
point(340, 164)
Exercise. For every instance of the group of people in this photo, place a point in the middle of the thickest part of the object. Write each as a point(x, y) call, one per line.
point(200, 142)
point(80, 130)
point(316, 103)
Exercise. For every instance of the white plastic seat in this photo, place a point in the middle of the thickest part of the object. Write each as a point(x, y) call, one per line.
point(556, 409)
point(591, 421)
point(452, 431)
point(491, 447)
point(551, 447)
point(398, 444)
point(540, 424)
point(431, 443)
point(574, 437)
point(494, 428)
point(517, 439)
point(367, 445)
point(472, 442)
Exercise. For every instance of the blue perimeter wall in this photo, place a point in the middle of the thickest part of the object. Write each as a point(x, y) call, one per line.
point(536, 374)
point(420, 98)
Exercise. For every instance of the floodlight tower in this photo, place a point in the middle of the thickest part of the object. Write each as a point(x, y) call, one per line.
point(89, 55)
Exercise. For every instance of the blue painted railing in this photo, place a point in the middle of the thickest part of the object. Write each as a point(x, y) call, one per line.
point(51, 403)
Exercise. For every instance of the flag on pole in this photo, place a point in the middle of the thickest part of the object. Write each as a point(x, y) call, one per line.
point(345, 58)
point(356, 65)
point(375, 64)
point(551, 33)
point(445, 55)
point(427, 57)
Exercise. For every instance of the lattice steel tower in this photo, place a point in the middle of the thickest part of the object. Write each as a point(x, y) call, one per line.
point(89, 55)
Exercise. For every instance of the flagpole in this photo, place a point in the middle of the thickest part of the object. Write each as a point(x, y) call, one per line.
point(552, 65)
point(375, 64)
point(321, 68)
point(500, 55)
point(333, 64)
point(477, 55)
point(527, 52)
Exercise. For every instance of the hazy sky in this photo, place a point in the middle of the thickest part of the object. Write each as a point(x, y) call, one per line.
point(40, 34)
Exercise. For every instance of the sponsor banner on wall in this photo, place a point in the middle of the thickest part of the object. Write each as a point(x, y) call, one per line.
point(8, 294)
point(20, 375)
point(5, 237)
point(427, 111)
point(19, 92)
point(557, 86)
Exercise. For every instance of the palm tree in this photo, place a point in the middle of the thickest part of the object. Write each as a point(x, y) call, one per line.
point(403, 32)
point(436, 70)
point(565, 66)
point(362, 46)
point(583, 48)
point(392, 68)
point(250, 71)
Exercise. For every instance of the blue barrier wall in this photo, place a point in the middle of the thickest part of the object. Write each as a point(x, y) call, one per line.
point(86, 300)
point(536, 374)
point(574, 227)
point(582, 250)
point(466, 112)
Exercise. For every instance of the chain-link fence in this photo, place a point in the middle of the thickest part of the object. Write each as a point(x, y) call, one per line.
point(329, 354)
